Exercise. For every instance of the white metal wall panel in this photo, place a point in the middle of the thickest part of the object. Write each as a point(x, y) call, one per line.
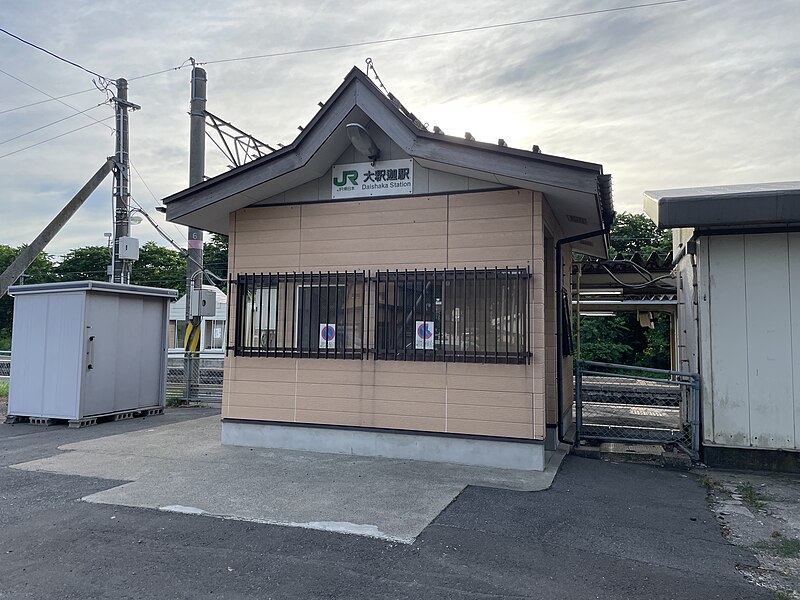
point(727, 378)
point(769, 343)
point(749, 301)
point(47, 355)
point(686, 335)
point(794, 299)
point(704, 341)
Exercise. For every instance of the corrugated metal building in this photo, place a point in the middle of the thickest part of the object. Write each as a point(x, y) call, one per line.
point(737, 250)
point(423, 267)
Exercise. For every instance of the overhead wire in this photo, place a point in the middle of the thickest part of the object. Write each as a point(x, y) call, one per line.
point(55, 137)
point(182, 251)
point(54, 55)
point(8, 110)
point(14, 77)
point(21, 135)
point(155, 198)
point(442, 33)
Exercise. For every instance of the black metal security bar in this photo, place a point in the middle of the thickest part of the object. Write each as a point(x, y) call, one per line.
point(301, 315)
point(453, 315)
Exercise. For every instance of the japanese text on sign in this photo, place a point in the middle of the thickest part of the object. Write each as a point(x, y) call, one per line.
point(385, 178)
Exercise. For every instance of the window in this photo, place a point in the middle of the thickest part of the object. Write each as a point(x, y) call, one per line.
point(466, 315)
point(458, 315)
point(177, 332)
point(319, 315)
point(214, 334)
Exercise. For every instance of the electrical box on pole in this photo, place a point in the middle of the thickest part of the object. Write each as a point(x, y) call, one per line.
point(203, 303)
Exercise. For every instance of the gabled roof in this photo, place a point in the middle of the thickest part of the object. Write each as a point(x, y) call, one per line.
point(580, 188)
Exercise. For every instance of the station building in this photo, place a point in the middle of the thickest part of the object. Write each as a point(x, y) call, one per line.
point(400, 292)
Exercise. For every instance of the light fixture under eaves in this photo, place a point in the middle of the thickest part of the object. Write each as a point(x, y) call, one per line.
point(362, 141)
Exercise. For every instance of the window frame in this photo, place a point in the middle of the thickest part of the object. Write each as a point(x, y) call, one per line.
point(478, 308)
point(502, 309)
point(289, 315)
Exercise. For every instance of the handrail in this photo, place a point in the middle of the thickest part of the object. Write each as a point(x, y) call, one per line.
point(631, 368)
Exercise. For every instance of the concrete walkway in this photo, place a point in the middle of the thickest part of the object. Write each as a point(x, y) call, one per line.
point(182, 467)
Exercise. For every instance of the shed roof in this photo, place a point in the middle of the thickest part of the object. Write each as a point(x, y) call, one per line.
point(90, 286)
point(750, 204)
point(573, 187)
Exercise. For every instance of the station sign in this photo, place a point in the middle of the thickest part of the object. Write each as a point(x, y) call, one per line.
point(384, 178)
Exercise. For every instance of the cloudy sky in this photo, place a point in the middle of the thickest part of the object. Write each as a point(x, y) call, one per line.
point(701, 92)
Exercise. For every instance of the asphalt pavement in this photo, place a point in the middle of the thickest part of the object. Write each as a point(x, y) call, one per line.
point(602, 531)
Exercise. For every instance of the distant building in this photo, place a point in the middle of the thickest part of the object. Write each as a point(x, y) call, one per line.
point(397, 291)
point(213, 329)
point(737, 250)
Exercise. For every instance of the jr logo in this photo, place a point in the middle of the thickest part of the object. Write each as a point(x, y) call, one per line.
point(351, 176)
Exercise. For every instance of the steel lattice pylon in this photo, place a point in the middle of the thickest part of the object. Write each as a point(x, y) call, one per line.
point(239, 147)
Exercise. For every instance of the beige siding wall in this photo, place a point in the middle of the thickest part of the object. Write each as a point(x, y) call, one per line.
point(480, 229)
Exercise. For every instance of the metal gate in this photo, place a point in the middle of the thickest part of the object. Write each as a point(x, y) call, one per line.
point(620, 403)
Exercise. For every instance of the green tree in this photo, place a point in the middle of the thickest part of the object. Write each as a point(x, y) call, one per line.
point(159, 267)
point(621, 339)
point(215, 258)
point(40, 271)
point(87, 263)
point(634, 232)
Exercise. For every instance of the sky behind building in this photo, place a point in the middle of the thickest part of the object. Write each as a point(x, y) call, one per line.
point(700, 92)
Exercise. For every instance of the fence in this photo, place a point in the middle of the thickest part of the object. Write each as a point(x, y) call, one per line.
point(206, 384)
point(5, 364)
point(635, 404)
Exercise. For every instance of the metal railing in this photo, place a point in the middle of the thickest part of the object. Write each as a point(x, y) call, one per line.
point(450, 315)
point(303, 315)
point(622, 403)
point(453, 315)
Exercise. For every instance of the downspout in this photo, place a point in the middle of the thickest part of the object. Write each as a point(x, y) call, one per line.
point(560, 318)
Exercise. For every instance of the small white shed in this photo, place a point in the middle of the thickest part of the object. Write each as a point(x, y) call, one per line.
point(737, 249)
point(85, 349)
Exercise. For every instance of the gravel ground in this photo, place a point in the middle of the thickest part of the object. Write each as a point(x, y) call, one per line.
point(761, 512)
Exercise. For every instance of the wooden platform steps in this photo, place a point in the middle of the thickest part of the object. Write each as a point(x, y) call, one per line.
point(86, 421)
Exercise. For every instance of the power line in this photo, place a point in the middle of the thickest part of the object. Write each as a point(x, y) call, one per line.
point(178, 68)
point(16, 137)
point(56, 137)
point(54, 55)
point(155, 198)
point(182, 251)
point(14, 77)
point(443, 33)
point(8, 110)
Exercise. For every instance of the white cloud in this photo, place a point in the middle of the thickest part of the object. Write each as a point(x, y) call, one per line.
point(671, 96)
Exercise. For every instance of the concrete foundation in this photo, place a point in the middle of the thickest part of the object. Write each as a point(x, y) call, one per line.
point(436, 448)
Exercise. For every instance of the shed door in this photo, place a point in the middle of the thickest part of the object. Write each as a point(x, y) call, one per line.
point(125, 344)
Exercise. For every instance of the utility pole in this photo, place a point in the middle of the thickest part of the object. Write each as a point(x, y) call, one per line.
point(121, 266)
point(194, 258)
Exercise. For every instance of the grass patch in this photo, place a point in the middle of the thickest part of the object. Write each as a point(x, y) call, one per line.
point(778, 595)
point(174, 401)
point(709, 483)
point(750, 496)
point(3, 389)
point(787, 547)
